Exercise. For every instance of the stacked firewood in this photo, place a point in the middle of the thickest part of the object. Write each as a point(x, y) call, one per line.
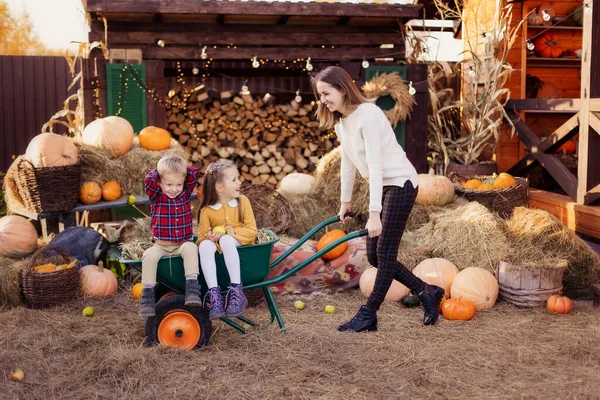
point(266, 140)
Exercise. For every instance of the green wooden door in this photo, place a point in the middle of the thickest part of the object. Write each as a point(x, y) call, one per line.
point(386, 102)
point(124, 97)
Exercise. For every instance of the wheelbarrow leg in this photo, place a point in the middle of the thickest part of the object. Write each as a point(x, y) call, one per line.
point(273, 308)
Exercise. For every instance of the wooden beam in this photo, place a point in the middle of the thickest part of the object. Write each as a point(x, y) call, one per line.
point(281, 53)
point(593, 195)
point(254, 8)
point(584, 127)
point(555, 167)
point(550, 105)
point(343, 21)
point(595, 122)
point(548, 145)
point(283, 19)
point(243, 35)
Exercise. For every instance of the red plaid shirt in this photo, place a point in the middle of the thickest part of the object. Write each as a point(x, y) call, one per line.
point(171, 218)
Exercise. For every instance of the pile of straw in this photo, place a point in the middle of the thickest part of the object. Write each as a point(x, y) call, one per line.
point(10, 281)
point(129, 170)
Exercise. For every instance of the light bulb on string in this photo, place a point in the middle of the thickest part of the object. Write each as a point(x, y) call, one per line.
point(203, 54)
point(195, 71)
point(245, 90)
point(545, 16)
point(298, 98)
point(365, 63)
point(530, 46)
point(160, 43)
point(486, 37)
point(309, 66)
point(411, 89)
point(255, 63)
point(587, 9)
point(472, 71)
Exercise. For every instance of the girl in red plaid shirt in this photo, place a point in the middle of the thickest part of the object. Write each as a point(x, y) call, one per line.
point(169, 188)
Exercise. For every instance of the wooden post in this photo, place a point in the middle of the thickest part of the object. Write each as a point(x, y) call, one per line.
point(584, 126)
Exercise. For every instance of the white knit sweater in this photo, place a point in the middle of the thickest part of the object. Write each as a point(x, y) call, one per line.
point(368, 143)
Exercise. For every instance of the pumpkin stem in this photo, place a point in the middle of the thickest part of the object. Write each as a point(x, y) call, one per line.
point(100, 266)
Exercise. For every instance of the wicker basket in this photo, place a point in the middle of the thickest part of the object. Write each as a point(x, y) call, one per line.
point(271, 210)
point(49, 288)
point(529, 287)
point(502, 201)
point(48, 189)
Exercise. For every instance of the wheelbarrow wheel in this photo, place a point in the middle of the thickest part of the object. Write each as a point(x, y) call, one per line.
point(178, 325)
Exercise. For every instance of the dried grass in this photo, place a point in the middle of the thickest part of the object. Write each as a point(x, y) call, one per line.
point(506, 352)
point(129, 170)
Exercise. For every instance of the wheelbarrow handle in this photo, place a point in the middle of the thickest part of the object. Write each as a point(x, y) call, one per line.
point(349, 214)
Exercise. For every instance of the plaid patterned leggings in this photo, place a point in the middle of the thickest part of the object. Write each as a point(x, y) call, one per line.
point(382, 251)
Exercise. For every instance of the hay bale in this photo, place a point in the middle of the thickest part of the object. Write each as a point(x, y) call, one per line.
point(411, 252)
point(539, 237)
point(10, 281)
point(468, 236)
point(129, 170)
point(137, 238)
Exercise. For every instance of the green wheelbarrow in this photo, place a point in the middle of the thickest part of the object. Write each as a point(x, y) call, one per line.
point(177, 325)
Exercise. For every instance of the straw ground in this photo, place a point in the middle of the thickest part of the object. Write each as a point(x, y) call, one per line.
point(502, 353)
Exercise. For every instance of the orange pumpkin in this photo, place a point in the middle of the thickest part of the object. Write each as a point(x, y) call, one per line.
point(559, 304)
point(434, 190)
point(154, 138)
point(136, 291)
point(458, 309)
point(504, 181)
point(327, 239)
point(90, 193)
point(477, 285)
point(98, 281)
point(548, 46)
point(45, 268)
point(396, 292)
point(114, 134)
point(18, 236)
point(472, 184)
point(436, 271)
point(486, 186)
point(111, 191)
point(568, 147)
point(51, 150)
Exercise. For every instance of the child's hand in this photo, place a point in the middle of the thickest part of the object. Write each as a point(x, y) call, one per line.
point(229, 230)
point(214, 236)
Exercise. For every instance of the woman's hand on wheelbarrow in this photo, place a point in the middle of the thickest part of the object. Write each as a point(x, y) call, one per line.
point(374, 224)
point(345, 209)
point(214, 236)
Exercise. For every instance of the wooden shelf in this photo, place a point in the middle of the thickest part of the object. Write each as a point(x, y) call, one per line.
point(549, 62)
point(559, 27)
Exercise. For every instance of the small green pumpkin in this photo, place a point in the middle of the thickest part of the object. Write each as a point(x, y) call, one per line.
point(411, 301)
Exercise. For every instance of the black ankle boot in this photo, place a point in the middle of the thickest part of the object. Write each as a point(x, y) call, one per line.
point(431, 297)
point(365, 320)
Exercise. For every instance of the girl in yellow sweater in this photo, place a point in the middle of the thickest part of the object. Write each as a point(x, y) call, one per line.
point(226, 221)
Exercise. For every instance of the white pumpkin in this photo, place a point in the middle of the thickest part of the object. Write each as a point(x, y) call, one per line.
point(18, 236)
point(396, 292)
point(297, 183)
point(113, 133)
point(437, 271)
point(477, 285)
point(51, 150)
point(434, 190)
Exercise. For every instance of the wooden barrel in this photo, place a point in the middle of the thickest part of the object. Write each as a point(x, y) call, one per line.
point(527, 286)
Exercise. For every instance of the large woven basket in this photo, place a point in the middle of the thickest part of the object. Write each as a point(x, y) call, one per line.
point(271, 210)
point(48, 189)
point(49, 288)
point(502, 201)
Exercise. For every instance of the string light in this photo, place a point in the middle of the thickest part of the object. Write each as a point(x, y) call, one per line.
point(530, 46)
point(203, 54)
point(472, 71)
point(298, 98)
point(545, 16)
point(586, 8)
point(255, 63)
point(486, 37)
point(365, 63)
point(309, 66)
point(160, 43)
point(195, 71)
point(245, 90)
point(411, 89)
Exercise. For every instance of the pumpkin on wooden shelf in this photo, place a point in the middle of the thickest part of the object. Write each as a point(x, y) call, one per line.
point(436, 271)
point(458, 309)
point(559, 304)
point(396, 292)
point(504, 181)
point(477, 285)
point(114, 134)
point(548, 46)
point(98, 281)
point(154, 138)
point(434, 190)
point(568, 147)
point(297, 183)
point(111, 191)
point(51, 150)
point(328, 238)
point(90, 193)
point(18, 236)
point(534, 19)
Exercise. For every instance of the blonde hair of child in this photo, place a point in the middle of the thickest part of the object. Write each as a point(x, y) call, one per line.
point(171, 164)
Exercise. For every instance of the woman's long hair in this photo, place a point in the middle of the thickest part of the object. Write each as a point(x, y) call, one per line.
point(342, 81)
point(215, 174)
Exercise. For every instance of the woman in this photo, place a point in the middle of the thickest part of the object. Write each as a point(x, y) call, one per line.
point(369, 145)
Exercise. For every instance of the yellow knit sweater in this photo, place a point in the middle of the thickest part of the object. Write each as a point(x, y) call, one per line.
point(227, 214)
